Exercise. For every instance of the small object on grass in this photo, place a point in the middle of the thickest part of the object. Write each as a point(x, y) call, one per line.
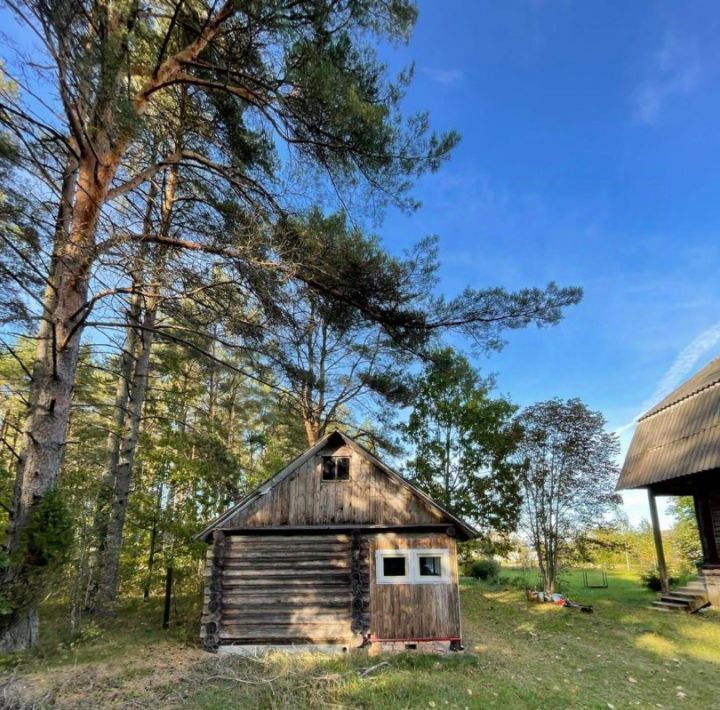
point(569, 604)
point(532, 595)
point(367, 671)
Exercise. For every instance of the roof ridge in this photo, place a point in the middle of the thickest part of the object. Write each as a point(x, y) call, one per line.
point(657, 409)
point(687, 389)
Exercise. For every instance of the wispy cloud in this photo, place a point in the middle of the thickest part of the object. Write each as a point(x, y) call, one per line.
point(442, 76)
point(682, 366)
point(676, 70)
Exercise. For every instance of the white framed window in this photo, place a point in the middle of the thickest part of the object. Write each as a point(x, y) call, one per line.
point(412, 566)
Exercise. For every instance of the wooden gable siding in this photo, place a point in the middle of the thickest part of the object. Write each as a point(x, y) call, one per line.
point(414, 611)
point(369, 497)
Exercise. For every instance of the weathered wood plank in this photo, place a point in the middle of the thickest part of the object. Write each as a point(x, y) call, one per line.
point(285, 631)
point(286, 640)
point(286, 573)
point(286, 584)
point(310, 541)
point(415, 610)
point(263, 563)
point(276, 591)
point(311, 606)
point(286, 554)
point(281, 555)
point(288, 619)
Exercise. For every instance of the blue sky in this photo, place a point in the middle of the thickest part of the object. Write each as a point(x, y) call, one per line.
point(589, 156)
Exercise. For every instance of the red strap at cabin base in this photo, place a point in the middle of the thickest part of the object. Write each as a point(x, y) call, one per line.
point(420, 639)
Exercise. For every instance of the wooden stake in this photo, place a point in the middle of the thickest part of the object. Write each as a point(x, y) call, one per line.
point(662, 567)
point(168, 597)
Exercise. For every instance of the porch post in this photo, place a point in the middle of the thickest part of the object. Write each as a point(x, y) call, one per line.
point(662, 567)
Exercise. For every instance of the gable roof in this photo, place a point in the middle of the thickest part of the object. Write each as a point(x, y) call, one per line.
point(468, 532)
point(679, 436)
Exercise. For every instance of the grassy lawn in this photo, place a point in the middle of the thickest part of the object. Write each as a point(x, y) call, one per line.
point(518, 655)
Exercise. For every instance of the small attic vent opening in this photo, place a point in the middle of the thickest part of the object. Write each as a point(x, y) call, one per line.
point(411, 647)
point(336, 468)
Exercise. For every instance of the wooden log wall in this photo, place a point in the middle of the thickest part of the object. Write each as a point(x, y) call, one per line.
point(287, 589)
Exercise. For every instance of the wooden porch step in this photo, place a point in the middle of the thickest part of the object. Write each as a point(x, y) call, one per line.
point(672, 598)
point(690, 598)
point(670, 605)
point(690, 594)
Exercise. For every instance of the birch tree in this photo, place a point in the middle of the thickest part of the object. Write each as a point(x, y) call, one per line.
point(569, 464)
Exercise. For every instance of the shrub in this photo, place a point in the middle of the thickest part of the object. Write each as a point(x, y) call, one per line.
point(486, 569)
point(651, 579)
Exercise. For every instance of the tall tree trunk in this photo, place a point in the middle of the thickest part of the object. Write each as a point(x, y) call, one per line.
point(108, 579)
point(312, 431)
point(112, 452)
point(128, 366)
point(153, 542)
point(52, 383)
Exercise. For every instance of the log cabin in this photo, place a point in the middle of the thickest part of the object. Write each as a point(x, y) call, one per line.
point(335, 550)
point(675, 451)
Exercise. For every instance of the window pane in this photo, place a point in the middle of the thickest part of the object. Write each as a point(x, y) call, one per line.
point(430, 566)
point(328, 469)
point(342, 468)
point(394, 566)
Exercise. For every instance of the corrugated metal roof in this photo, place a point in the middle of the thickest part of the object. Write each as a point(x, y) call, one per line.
point(679, 436)
point(708, 376)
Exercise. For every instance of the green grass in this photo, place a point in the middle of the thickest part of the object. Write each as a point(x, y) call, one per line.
point(518, 655)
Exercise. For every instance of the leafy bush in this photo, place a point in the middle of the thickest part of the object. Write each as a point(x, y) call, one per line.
point(46, 545)
point(486, 569)
point(651, 579)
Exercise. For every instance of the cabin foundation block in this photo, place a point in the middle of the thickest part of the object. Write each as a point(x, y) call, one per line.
point(437, 647)
point(712, 584)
